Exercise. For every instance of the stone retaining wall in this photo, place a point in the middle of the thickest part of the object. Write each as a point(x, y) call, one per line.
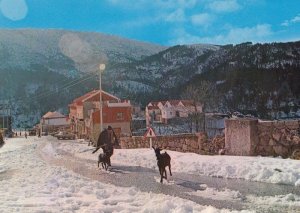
point(196, 143)
point(277, 138)
point(245, 137)
point(182, 143)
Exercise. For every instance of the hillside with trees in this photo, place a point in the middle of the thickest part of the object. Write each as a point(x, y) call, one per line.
point(44, 70)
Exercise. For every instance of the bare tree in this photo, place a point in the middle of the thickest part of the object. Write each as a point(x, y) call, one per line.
point(203, 93)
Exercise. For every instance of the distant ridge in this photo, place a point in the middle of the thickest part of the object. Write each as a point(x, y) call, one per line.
point(62, 50)
point(36, 66)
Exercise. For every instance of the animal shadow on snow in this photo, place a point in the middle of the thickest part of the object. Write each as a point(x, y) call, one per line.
point(130, 169)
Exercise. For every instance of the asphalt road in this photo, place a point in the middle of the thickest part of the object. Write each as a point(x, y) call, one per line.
point(180, 184)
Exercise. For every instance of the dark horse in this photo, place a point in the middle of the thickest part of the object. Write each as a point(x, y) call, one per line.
point(1, 140)
point(163, 160)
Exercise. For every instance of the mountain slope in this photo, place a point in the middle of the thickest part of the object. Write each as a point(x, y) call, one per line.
point(160, 73)
point(44, 70)
point(255, 78)
point(62, 51)
point(37, 64)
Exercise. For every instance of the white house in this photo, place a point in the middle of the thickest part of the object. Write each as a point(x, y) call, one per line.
point(162, 111)
point(153, 112)
point(53, 120)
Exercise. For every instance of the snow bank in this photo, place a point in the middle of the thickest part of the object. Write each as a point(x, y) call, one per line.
point(12, 145)
point(212, 193)
point(278, 200)
point(261, 169)
point(34, 186)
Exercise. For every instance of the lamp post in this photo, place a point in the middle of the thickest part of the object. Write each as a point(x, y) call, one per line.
point(101, 68)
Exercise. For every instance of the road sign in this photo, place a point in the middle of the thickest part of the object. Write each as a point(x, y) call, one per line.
point(150, 133)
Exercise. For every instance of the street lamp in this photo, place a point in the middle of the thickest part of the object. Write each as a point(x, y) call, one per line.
point(101, 68)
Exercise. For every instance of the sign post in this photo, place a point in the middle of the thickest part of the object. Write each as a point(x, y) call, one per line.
point(150, 134)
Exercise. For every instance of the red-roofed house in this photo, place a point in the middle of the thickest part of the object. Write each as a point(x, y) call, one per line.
point(76, 113)
point(86, 120)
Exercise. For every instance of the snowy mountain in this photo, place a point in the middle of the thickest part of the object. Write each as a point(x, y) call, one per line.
point(44, 70)
point(162, 72)
point(37, 64)
point(62, 51)
point(252, 78)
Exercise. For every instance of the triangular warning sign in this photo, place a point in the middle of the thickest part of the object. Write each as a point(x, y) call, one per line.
point(150, 133)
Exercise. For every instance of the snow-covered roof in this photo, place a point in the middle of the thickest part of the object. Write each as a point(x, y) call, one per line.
point(97, 92)
point(50, 115)
point(171, 102)
point(47, 114)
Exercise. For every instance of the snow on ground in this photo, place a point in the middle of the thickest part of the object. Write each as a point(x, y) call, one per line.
point(189, 162)
point(288, 200)
point(28, 184)
point(216, 194)
point(279, 200)
point(261, 169)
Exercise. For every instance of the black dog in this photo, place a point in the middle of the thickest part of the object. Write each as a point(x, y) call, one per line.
point(104, 159)
point(163, 160)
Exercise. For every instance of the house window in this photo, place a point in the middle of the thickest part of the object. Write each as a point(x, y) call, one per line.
point(120, 116)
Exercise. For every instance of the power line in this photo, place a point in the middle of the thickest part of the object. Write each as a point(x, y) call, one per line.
point(68, 85)
point(65, 86)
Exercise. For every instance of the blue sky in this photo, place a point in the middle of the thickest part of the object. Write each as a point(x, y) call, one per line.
point(166, 22)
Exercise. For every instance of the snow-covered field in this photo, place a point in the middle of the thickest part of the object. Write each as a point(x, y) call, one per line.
point(261, 169)
point(30, 185)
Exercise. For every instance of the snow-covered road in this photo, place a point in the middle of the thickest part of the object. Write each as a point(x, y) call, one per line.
point(68, 181)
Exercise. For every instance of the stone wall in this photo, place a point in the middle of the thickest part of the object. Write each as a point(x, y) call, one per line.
point(278, 138)
point(245, 137)
point(266, 138)
point(196, 143)
point(182, 143)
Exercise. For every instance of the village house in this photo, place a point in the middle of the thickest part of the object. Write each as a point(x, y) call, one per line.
point(53, 121)
point(162, 111)
point(85, 114)
point(76, 114)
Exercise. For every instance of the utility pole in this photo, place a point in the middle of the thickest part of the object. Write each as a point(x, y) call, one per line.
point(2, 108)
point(2, 112)
point(101, 68)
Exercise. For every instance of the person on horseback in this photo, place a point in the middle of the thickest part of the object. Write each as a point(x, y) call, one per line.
point(107, 140)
